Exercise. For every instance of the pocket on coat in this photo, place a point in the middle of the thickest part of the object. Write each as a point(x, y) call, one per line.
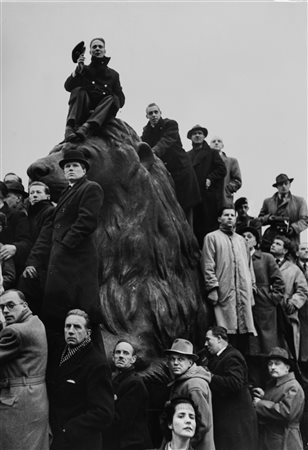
point(8, 401)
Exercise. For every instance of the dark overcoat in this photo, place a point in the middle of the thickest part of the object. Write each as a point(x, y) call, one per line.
point(81, 400)
point(17, 233)
point(165, 141)
point(72, 274)
point(129, 430)
point(269, 293)
point(207, 164)
point(279, 414)
point(235, 423)
point(303, 318)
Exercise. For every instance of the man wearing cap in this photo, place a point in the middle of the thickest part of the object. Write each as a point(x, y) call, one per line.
point(233, 179)
point(96, 92)
point(16, 235)
point(210, 171)
point(163, 137)
point(68, 240)
point(268, 295)
point(280, 406)
point(243, 219)
point(284, 212)
point(191, 381)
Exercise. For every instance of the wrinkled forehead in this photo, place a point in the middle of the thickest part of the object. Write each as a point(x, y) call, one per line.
point(97, 42)
point(217, 139)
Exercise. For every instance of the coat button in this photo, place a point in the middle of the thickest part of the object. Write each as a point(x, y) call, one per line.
point(105, 85)
point(93, 82)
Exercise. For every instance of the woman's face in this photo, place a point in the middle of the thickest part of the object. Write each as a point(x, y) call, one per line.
point(184, 421)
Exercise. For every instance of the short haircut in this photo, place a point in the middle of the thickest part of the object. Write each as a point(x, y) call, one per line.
point(286, 242)
point(126, 342)
point(223, 208)
point(219, 331)
point(17, 178)
point(169, 411)
point(240, 202)
point(20, 294)
point(3, 220)
point(40, 183)
point(97, 39)
point(81, 313)
point(150, 105)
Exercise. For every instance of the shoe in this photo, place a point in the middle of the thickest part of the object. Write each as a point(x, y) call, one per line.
point(70, 134)
point(84, 131)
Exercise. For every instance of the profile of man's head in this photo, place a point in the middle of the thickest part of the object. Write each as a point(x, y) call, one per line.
point(13, 305)
point(216, 339)
point(281, 246)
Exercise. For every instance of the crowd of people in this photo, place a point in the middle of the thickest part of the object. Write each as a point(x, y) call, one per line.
point(244, 390)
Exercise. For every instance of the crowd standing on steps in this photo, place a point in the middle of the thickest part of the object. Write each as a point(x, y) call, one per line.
point(243, 390)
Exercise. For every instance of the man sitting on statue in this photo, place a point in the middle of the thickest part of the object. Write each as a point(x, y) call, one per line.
point(96, 92)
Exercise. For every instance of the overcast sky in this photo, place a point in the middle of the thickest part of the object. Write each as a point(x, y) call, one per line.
point(237, 68)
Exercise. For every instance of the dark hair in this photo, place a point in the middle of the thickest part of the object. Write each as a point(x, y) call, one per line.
point(286, 242)
point(3, 189)
point(168, 413)
point(40, 183)
point(3, 220)
point(152, 104)
point(20, 294)
point(126, 342)
point(240, 202)
point(81, 313)
point(221, 210)
point(15, 175)
point(98, 39)
point(219, 331)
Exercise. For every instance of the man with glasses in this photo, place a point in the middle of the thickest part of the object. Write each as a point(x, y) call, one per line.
point(284, 212)
point(23, 359)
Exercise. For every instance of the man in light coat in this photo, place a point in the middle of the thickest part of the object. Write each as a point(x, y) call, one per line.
point(229, 279)
point(23, 359)
point(296, 289)
point(284, 212)
point(280, 407)
point(233, 178)
point(191, 381)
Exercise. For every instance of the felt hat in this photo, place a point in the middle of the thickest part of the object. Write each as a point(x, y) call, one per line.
point(281, 178)
point(78, 50)
point(73, 155)
point(195, 128)
point(182, 347)
point(17, 187)
point(252, 230)
point(279, 353)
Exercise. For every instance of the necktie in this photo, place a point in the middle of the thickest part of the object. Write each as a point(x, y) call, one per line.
point(278, 262)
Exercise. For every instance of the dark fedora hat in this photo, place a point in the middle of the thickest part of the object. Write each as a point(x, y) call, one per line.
point(74, 155)
point(17, 187)
point(195, 128)
point(182, 347)
point(78, 50)
point(251, 230)
point(282, 177)
point(279, 353)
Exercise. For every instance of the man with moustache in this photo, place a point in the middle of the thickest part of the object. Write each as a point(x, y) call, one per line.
point(96, 92)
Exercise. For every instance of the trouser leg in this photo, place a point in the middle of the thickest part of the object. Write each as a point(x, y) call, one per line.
point(104, 110)
point(79, 107)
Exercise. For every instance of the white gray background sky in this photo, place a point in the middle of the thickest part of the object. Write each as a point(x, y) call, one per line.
point(237, 68)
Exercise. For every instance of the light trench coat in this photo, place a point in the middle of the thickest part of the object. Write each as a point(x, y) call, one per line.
point(23, 396)
point(226, 265)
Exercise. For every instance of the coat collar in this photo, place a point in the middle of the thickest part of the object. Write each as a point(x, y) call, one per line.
point(69, 191)
point(282, 380)
point(199, 154)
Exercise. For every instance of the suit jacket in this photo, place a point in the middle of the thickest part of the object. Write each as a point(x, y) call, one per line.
point(235, 423)
point(303, 319)
point(68, 239)
point(81, 400)
point(232, 181)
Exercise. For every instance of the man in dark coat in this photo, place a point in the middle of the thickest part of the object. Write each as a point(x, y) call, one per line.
point(96, 93)
point(163, 137)
point(243, 219)
point(210, 171)
point(129, 430)
point(235, 423)
point(286, 213)
point(16, 235)
point(40, 212)
point(268, 295)
point(68, 240)
point(79, 389)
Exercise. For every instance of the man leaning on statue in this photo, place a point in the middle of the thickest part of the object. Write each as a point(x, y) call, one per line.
point(96, 92)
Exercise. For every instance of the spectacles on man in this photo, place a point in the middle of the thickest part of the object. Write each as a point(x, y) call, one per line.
point(9, 306)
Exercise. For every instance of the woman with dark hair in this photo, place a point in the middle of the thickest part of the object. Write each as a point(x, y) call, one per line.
point(179, 424)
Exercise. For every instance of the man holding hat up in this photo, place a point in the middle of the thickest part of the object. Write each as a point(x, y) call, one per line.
point(210, 171)
point(280, 407)
point(285, 213)
point(191, 381)
point(68, 240)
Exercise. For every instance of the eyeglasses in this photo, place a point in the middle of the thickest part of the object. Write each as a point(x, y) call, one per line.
point(9, 306)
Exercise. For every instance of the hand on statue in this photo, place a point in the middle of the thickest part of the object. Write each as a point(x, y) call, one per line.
point(213, 297)
point(30, 272)
point(7, 251)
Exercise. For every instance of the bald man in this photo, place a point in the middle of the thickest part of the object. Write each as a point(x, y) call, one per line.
point(233, 178)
